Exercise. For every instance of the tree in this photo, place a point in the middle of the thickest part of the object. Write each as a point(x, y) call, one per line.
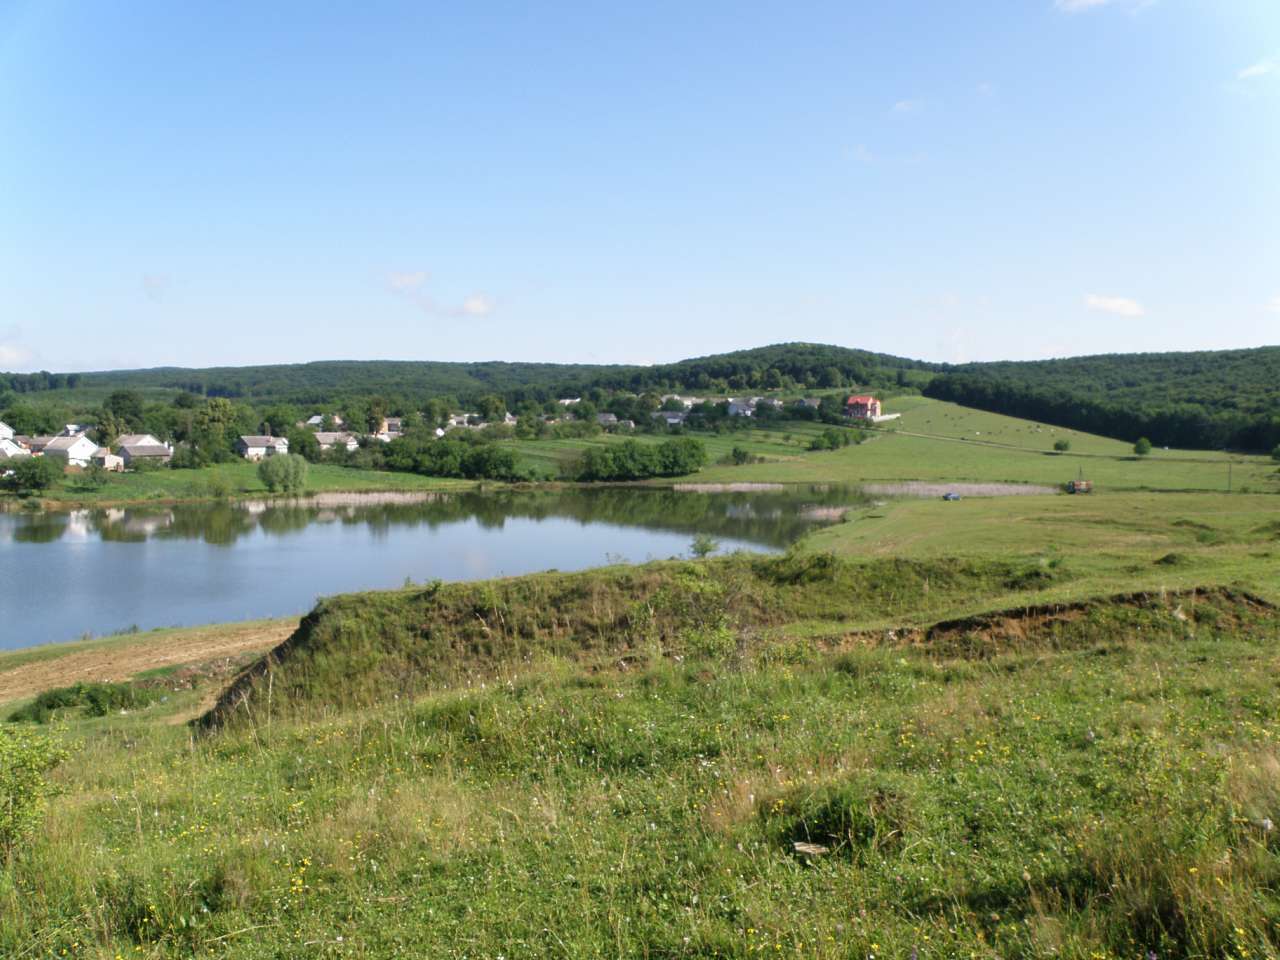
point(125, 405)
point(34, 474)
point(703, 545)
point(1142, 447)
point(210, 428)
point(1275, 454)
point(491, 408)
point(1062, 446)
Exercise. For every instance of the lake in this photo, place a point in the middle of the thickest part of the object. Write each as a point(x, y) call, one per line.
point(66, 574)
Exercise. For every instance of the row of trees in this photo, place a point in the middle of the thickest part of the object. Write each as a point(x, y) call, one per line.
point(635, 460)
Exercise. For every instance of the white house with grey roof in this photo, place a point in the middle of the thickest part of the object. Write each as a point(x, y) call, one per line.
point(6, 432)
point(9, 450)
point(131, 454)
point(76, 451)
point(255, 448)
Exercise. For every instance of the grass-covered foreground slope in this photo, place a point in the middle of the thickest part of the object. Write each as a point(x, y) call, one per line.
point(1097, 780)
point(360, 649)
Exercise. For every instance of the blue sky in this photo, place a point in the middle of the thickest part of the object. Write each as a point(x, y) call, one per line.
point(237, 183)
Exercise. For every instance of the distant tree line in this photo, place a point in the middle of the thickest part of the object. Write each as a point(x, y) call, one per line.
point(1132, 398)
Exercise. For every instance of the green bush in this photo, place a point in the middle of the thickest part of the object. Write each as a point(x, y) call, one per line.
point(34, 474)
point(26, 756)
point(98, 699)
point(1142, 447)
point(1062, 446)
point(633, 460)
point(284, 473)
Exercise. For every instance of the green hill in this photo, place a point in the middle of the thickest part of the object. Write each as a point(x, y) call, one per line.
point(1205, 400)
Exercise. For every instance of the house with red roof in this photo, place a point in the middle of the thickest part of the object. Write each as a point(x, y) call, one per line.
point(862, 408)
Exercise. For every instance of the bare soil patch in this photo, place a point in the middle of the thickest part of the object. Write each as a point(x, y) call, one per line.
point(200, 646)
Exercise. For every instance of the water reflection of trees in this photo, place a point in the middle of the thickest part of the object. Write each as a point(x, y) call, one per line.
point(774, 518)
point(40, 528)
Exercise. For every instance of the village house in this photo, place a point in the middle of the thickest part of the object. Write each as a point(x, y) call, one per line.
point(813, 403)
point(12, 450)
point(6, 432)
point(35, 444)
point(742, 408)
point(131, 454)
point(255, 448)
point(607, 419)
point(104, 458)
point(672, 418)
point(569, 401)
point(329, 440)
point(137, 440)
point(862, 407)
point(74, 429)
point(75, 451)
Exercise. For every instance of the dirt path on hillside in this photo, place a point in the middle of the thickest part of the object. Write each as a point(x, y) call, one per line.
point(116, 662)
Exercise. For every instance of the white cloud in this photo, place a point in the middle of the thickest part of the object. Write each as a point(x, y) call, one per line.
point(1259, 69)
point(477, 305)
point(907, 106)
point(12, 355)
point(401, 282)
point(1119, 306)
point(412, 286)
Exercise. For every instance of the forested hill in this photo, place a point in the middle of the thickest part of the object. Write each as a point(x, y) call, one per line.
point(1204, 400)
point(791, 364)
point(1201, 400)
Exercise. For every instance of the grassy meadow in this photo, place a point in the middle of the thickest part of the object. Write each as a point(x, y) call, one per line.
point(1038, 727)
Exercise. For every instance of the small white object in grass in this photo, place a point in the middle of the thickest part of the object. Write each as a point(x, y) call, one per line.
point(810, 849)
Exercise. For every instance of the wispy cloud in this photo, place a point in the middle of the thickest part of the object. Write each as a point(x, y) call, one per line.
point(401, 282)
point(1118, 306)
point(411, 285)
point(13, 354)
point(1082, 6)
point(154, 286)
point(1079, 6)
point(1259, 69)
point(908, 106)
point(477, 305)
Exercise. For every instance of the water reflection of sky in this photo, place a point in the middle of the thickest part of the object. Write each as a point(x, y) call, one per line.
point(97, 571)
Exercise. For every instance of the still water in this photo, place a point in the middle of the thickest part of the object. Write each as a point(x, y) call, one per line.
point(66, 574)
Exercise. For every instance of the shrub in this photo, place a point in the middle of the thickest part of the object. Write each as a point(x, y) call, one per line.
point(284, 473)
point(1062, 446)
point(34, 474)
point(25, 758)
point(1275, 454)
point(98, 699)
point(1142, 447)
